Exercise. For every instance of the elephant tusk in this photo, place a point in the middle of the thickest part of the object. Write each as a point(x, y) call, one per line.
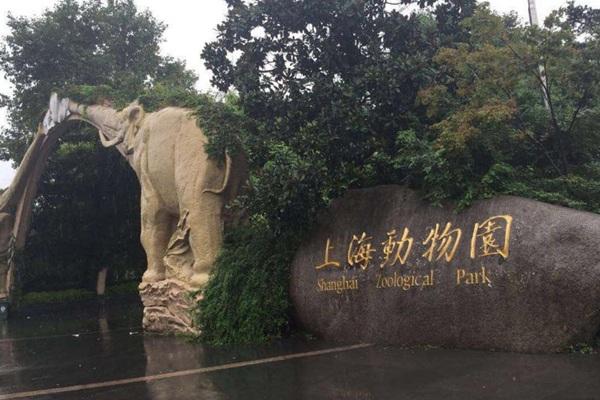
point(58, 111)
point(109, 142)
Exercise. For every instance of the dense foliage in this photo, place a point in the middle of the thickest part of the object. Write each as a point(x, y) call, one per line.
point(329, 86)
point(515, 110)
point(247, 300)
point(86, 216)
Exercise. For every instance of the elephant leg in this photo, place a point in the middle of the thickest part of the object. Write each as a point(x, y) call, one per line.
point(157, 228)
point(206, 236)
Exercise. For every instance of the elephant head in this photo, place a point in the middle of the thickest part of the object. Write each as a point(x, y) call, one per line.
point(115, 128)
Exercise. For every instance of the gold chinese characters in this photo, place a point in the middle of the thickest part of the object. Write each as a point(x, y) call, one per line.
point(360, 251)
point(396, 250)
point(489, 237)
point(442, 244)
point(326, 262)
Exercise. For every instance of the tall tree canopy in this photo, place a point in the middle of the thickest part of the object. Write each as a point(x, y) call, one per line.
point(449, 99)
point(515, 109)
point(329, 85)
point(86, 216)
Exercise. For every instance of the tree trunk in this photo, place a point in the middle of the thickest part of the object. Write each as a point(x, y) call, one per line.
point(101, 282)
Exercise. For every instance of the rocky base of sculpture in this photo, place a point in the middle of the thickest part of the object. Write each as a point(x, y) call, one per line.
point(507, 273)
point(167, 307)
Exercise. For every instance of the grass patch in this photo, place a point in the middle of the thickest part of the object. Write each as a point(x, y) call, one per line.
point(123, 289)
point(55, 297)
point(76, 295)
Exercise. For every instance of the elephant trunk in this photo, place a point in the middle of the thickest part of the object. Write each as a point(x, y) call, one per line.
point(105, 119)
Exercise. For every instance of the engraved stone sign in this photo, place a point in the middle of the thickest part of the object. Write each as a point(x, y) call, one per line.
point(507, 273)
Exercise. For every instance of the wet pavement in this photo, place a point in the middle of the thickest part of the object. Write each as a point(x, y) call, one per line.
point(102, 354)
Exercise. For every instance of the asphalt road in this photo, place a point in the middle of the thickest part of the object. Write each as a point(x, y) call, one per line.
point(103, 354)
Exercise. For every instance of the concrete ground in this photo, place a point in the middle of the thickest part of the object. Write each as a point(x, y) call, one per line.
point(83, 354)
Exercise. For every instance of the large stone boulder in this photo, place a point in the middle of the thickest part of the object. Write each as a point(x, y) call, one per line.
point(507, 273)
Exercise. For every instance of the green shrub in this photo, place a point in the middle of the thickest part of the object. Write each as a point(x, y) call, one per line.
point(247, 299)
point(581, 348)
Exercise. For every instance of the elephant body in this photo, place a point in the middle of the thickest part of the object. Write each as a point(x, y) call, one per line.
point(179, 199)
point(183, 190)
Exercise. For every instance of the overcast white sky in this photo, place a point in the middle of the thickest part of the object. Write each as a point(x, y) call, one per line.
point(192, 23)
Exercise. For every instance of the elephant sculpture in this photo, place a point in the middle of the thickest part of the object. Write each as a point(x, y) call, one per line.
point(183, 190)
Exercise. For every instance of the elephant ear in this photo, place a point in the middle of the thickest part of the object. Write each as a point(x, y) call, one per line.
point(135, 114)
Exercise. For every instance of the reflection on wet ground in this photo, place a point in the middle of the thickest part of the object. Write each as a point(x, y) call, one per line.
point(79, 347)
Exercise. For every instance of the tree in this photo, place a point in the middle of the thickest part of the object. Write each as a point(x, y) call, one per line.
point(86, 216)
point(329, 85)
point(489, 124)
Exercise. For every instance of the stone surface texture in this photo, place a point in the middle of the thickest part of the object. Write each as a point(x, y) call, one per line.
point(542, 297)
point(167, 306)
